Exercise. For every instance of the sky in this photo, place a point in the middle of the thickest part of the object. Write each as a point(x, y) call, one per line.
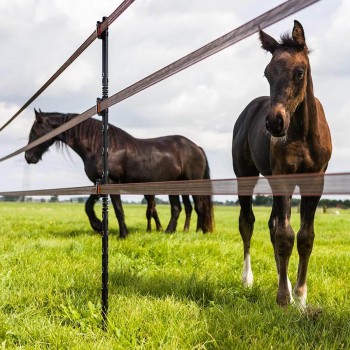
point(201, 102)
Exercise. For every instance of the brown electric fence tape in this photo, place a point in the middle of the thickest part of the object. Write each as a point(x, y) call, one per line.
point(265, 20)
point(73, 122)
point(116, 13)
point(268, 18)
point(334, 184)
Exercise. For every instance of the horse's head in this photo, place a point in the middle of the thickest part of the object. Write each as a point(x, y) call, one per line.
point(287, 75)
point(42, 125)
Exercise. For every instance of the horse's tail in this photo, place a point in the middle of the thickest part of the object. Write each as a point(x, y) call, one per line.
point(208, 207)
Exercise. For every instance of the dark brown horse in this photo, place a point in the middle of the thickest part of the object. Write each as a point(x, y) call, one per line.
point(168, 158)
point(286, 133)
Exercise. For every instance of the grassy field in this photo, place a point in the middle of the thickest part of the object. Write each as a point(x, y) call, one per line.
point(179, 291)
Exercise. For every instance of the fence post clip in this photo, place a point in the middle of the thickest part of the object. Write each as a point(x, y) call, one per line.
point(98, 106)
point(99, 31)
point(98, 186)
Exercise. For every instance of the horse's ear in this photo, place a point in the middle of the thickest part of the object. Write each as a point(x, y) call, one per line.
point(38, 116)
point(268, 43)
point(298, 34)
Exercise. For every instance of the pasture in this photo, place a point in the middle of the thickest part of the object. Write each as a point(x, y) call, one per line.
point(167, 291)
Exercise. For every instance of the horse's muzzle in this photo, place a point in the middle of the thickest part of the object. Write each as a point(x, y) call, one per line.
point(31, 158)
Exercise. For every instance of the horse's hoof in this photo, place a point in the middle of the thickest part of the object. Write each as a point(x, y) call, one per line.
point(169, 231)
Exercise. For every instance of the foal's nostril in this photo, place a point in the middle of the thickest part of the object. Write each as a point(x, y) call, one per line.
point(279, 124)
point(267, 125)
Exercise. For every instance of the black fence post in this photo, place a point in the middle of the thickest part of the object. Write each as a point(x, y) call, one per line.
point(104, 36)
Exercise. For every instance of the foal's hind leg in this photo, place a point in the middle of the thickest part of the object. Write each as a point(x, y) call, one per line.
point(95, 223)
point(188, 210)
point(246, 227)
point(175, 212)
point(305, 240)
point(119, 212)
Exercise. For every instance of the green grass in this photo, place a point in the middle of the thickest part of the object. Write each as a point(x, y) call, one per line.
point(179, 291)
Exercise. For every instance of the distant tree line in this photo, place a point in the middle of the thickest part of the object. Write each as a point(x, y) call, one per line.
point(264, 201)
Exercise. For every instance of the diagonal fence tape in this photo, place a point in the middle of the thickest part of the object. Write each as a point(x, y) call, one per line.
point(268, 18)
point(109, 20)
point(73, 122)
point(334, 184)
point(282, 11)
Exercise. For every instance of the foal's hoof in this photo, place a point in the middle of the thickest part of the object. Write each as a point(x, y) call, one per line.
point(284, 300)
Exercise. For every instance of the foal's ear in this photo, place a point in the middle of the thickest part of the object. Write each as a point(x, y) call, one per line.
point(268, 43)
point(298, 33)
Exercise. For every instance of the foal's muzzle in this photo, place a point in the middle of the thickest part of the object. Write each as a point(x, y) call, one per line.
point(275, 124)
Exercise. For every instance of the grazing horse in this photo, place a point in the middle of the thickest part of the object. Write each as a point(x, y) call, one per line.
point(168, 158)
point(285, 133)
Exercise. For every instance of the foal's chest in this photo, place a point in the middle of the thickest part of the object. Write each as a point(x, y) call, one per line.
point(295, 157)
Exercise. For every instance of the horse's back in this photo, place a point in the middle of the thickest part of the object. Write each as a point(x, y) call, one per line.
point(250, 141)
point(185, 153)
point(166, 158)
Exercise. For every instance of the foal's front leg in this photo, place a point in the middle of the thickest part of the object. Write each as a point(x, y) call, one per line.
point(246, 227)
point(283, 241)
point(305, 240)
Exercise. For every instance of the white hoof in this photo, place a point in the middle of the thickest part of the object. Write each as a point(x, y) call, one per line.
point(247, 275)
point(300, 299)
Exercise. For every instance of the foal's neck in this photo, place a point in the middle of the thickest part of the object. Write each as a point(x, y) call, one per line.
point(306, 115)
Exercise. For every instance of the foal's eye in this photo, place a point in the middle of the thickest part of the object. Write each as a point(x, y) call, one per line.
point(299, 74)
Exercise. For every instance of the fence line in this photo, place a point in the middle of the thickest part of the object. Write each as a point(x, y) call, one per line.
point(334, 184)
point(236, 35)
point(109, 20)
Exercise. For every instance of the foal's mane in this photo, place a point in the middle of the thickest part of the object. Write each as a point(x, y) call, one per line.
point(287, 42)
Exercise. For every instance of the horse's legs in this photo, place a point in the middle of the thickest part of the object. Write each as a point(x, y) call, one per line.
point(246, 226)
point(175, 212)
point(198, 207)
point(95, 223)
point(305, 240)
point(282, 237)
point(188, 210)
point(119, 212)
point(155, 216)
point(151, 212)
